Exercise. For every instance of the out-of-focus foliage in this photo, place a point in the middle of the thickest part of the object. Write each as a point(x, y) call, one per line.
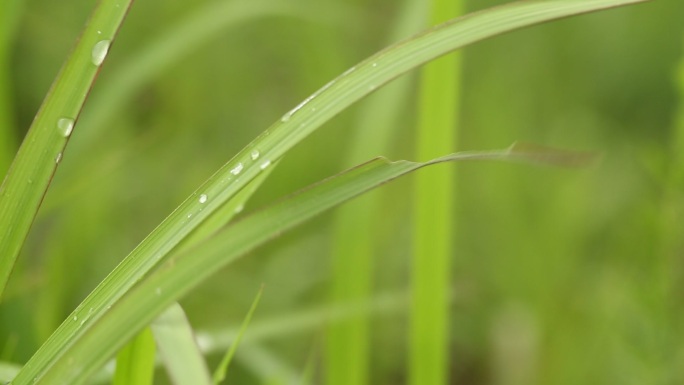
point(561, 276)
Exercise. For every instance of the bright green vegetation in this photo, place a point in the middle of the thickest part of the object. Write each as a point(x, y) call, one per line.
point(550, 275)
point(437, 132)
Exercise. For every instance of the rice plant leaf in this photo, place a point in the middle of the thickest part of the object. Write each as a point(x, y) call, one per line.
point(273, 144)
point(178, 349)
point(222, 370)
point(31, 171)
point(135, 362)
point(187, 269)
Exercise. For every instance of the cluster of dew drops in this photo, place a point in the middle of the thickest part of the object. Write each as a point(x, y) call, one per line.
point(254, 156)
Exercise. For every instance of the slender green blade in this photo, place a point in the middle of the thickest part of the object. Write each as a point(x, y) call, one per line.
point(135, 362)
point(185, 270)
point(31, 171)
point(276, 141)
point(347, 358)
point(435, 199)
point(222, 370)
point(177, 348)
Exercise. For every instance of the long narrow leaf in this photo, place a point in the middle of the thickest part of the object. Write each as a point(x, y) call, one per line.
point(222, 370)
point(275, 142)
point(188, 269)
point(438, 127)
point(31, 171)
point(352, 263)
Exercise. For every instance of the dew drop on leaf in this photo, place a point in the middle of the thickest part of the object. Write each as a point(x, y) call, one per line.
point(99, 52)
point(65, 126)
point(237, 169)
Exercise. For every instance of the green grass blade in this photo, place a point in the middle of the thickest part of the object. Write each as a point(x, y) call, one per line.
point(135, 362)
point(226, 213)
point(275, 142)
point(177, 348)
point(31, 171)
point(186, 270)
point(222, 370)
point(347, 343)
point(433, 227)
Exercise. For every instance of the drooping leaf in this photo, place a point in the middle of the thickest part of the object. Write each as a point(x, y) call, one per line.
point(187, 269)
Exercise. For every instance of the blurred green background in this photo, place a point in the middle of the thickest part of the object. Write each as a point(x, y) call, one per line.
point(560, 276)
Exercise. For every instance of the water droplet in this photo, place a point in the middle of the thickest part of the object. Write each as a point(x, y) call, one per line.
point(65, 126)
point(265, 164)
point(75, 318)
point(239, 209)
point(286, 117)
point(99, 52)
point(99, 32)
point(202, 199)
point(58, 158)
point(236, 170)
point(189, 215)
point(374, 64)
point(82, 322)
point(255, 154)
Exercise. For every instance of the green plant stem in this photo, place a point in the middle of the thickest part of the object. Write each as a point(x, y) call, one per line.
point(439, 101)
point(222, 370)
point(347, 343)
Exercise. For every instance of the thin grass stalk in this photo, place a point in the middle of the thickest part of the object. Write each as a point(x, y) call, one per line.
point(348, 343)
point(438, 107)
